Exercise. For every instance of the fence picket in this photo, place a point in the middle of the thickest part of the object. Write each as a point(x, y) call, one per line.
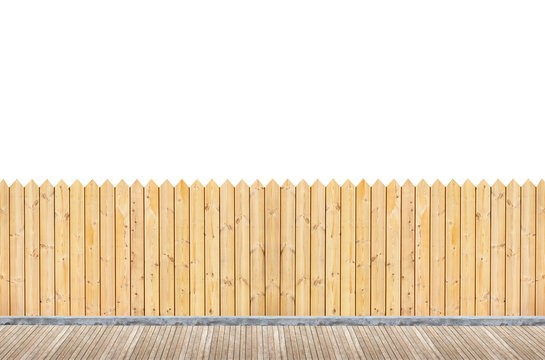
point(32, 249)
point(302, 249)
point(227, 249)
point(452, 250)
point(363, 249)
point(287, 249)
point(166, 249)
point(62, 250)
point(407, 248)
point(378, 249)
point(467, 261)
point(497, 250)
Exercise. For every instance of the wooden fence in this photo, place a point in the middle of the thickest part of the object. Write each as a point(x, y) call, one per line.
point(272, 250)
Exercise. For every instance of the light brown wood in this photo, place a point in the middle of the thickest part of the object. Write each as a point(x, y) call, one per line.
point(47, 249)
point(302, 249)
point(197, 250)
point(4, 249)
point(137, 250)
point(363, 249)
point(527, 250)
point(540, 249)
point(77, 250)
point(287, 249)
point(393, 249)
point(333, 249)
point(378, 249)
point(452, 250)
point(467, 261)
point(348, 250)
point(257, 249)
point(62, 250)
point(122, 250)
point(212, 248)
point(107, 249)
point(422, 250)
point(242, 249)
point(181, 250)
point(512, 249)
point(151, 249)
point(497, 250)
point(317, 249)
point(92, 250)
point(407, 248)
point(32, 249)
point(482, 250)
point(272, 249)
point(227, 249)
point(166, 249)
point(437, 250)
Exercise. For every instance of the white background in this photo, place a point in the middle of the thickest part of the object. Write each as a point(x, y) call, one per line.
point(272, 89)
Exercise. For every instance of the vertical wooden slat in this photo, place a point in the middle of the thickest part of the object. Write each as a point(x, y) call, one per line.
point(317, 249)
point(363, 249)
point(166, 249)
point(32, 249)
point(393, 249)
point(92, 250)
point(151, 249)
point(62, 249)
point(227, 249)
point(4, 249)
point(452, 250)
point(257, 249)
point(527, 250)
point(407, 248)
point(512, 250)
point(196, 235)
point(333, 249)
point(107, 249)
point(181, 250)
point(348, 250)
point(437, 250)
point(242, 249)
point(77, 250)
point(17, 249)
point(47, 249)
point(467, 261)
point(482, 250)
point(540, 248)
point(302, 249)
point(272, 248)
point(122, 250)
point(497, 250)
point(287, 249)
point(137, 250)
point(212, 248)
point(378, 249)
point(422, 250)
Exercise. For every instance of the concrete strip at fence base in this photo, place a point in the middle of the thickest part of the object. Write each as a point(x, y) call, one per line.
point(278, 320)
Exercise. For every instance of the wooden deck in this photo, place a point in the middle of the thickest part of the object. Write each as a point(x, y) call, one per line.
point(270, 342)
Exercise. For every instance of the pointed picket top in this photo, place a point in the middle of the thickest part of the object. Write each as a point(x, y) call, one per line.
point(151, 184)
point(528, 183)
point(136, 184)
point(227, 185)
point(302, 186)
point(257, 184)
point(468, 184)
point(288, 184)
point(242, 185)
point(437, 183)
point(317, 183)
point(181, 184)
point(348, 185)
point(61, 184)
point(422, 184)
point(212, 185)
point(498, 189)
point(107, 184)
point(92, 184)
point(497, 184)
point(407, 184)
point(16, 183)
point(272, 183)
point(513, 184)
point(393, 185)
point(31, 184)
point(3, 184)
point(541, 184)
point(453, 183)
point(363, 183)
point(166, 183)
point(76, 184)
point(483, 183)
point(46, 185)
point(332, 183)
point(378, 183)
point(122, 184)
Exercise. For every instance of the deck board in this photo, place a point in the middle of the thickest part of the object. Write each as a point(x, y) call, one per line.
point(271, 342)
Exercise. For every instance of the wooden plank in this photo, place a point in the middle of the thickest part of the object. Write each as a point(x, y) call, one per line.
point(227, 249)
point(257, 249)
point(92, 250)
point(317, 249)
point(437, 250)
point(497, 250)
point(422, 250)
point(77, 249)
point(17, 249)
point(166, 249)
point(107, 249)
point(272, 248)
point(467, 266)
point(452, 250)
point(242, 249)
point(527, 250)
point(137, 250)
point(407, 248)
point(348, 249)
point(482, 250)
point(363, 249)
point(302, 249)
point(333, 249)
point(287, 249)
point(4, 249)
point(62, 249)
point(212, 248)
point(181, 250)
point(47, 249)
point(393, 249)
point(378, 249)
point(540, 249)
point(122, 250)
point(151, 249)
point(196, 234)
point(32, 249)
point(512, 249)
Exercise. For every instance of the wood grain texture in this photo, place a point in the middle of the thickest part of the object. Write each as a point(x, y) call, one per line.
point(348, 250)
point(512, 249)
point(302, 249)
point(497, 250)
point(92, 250)
point(540, 248)
point(242, 249)
point(122, 250)
point(527, 250)
point(47, 249)
point(437, 250)
point(32, 249)
point(212, 248)
point(62, 249)
point(422, 250)
point(317, 248)
point(257, 249)
point(77, 249)
point(272, 249)
point(166, 249)
point(452, 250)
point(4, 249)
point(137, 250)
point(227, 249)
point(287, 249)
point(482, 250)
point(467, 261)
point(407, 248)
point(181, 250)
point(393, 249)
point(333, 249)
point(363, 249)
point(107, 249)
point(378, 249)
point(151, 249)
